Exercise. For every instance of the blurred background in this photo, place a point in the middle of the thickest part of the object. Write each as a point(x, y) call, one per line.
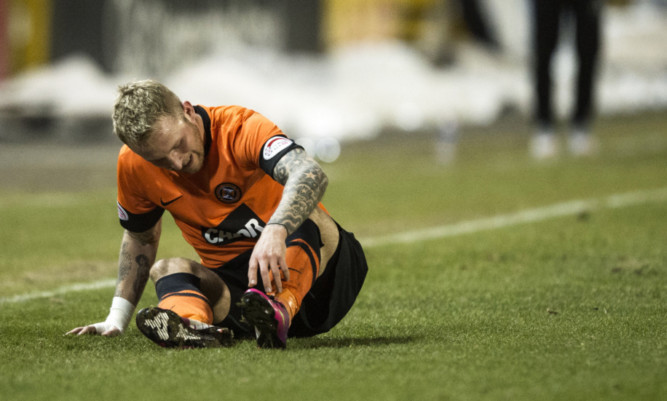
point(326, 71)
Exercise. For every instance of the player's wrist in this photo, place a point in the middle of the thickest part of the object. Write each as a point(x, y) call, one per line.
point(278, 225)
point(120, 313)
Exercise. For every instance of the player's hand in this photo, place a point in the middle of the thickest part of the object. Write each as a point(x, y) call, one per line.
point(102, 328)
point(268, 257)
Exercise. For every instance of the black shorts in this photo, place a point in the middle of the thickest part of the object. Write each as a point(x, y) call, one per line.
point(327, 302)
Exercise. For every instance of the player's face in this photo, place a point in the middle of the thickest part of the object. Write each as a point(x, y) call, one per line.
point(176, 143)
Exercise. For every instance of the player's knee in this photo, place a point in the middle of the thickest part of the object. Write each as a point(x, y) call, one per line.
point(165, 267)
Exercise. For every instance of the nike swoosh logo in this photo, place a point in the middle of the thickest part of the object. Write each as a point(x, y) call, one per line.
point(170, 202)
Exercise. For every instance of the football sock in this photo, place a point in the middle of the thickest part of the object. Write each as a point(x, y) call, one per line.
point(180, 293)
point(304, 263)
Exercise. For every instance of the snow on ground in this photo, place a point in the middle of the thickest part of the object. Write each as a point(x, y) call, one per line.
point(356, 91)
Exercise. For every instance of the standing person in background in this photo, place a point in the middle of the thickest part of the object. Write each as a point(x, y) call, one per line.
point(478, 22)
point(586, 20)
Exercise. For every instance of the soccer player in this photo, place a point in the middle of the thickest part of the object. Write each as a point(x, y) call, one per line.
point(273, 263)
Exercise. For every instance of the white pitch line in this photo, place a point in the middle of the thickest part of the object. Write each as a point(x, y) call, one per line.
point(569, 208)
point(59, 291)
point(525, 216)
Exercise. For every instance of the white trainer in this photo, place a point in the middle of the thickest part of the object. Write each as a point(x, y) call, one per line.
point(543, 146)
point(581, 144)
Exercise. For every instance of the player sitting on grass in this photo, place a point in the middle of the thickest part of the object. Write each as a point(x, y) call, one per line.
point(273, 263)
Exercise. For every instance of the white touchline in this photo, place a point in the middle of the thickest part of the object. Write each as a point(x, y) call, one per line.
point(569, 208)
point(520, 217)
point(60, 291)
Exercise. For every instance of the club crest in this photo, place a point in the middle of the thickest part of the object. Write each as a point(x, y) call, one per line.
point(228, 192)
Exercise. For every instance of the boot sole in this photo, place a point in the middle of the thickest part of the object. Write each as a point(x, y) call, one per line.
point(259, 313)
point(166, 329)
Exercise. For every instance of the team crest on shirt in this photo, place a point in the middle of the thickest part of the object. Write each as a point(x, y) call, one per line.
point(274, 146)
point(228, 192)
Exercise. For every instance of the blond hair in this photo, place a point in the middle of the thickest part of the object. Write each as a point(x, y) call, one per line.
point(139, 105)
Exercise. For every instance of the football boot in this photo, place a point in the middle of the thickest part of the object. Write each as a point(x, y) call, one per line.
point(169, 330)
point(269, 318)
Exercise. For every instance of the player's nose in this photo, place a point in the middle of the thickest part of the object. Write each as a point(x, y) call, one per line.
point(176, 161)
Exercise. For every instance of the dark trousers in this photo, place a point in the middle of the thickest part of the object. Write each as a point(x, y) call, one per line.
point(585, 19)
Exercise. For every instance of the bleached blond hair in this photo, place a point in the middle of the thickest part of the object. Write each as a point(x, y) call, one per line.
point(139, 105)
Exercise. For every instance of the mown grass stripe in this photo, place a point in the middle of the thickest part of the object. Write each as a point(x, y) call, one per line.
point(525, 216)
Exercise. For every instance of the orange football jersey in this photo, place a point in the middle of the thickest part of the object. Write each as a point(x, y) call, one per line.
point(222, 209)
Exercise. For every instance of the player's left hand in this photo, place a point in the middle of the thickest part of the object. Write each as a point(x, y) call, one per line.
point(269, 256)
point(102, 328)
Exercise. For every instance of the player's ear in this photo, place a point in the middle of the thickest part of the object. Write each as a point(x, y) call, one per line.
point(188, 108)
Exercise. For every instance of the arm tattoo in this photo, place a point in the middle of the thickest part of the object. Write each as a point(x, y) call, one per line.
point(304, 182)
point(134, 262)
point(142, 275)
point(124, 262)
point(145, 238)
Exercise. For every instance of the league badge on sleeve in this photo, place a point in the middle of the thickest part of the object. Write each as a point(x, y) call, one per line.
point(275, 145)
point(122, 214)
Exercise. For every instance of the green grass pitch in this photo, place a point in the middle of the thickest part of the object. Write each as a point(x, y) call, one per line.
point(564, 308)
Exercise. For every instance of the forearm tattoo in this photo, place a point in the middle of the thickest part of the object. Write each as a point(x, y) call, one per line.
point(304, 182)
point(131, 261)
point(124, 263)
point(142, 274)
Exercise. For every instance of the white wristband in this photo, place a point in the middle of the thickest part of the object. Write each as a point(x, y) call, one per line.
point(120, 313)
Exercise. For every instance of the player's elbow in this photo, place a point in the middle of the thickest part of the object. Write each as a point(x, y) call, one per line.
point(321, 180)
point(324, 182)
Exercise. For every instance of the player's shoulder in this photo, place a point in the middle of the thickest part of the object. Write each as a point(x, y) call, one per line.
point(124, 152)
point(127, 155)
point(228, 114)
point(240, 123)
point(129, 160)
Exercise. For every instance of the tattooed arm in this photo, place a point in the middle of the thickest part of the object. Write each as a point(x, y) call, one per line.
point(137, 255)
point(304, 183)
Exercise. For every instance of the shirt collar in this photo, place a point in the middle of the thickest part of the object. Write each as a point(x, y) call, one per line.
point(207, 128)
